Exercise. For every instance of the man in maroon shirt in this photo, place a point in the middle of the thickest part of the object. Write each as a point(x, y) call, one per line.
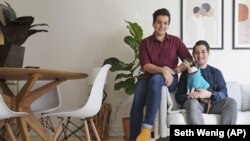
point(158, 55)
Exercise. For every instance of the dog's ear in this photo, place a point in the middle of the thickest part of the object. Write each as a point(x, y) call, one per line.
point(193, 64)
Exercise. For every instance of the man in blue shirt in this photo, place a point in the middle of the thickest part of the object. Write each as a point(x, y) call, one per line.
point(198, 101)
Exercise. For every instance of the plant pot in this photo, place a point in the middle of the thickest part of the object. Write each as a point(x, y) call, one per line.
point(11, 55)
point(126, 127)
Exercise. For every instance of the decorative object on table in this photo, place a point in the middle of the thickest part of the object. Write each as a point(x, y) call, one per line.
point(101, 120)
point(129, 72)
point(14, 31)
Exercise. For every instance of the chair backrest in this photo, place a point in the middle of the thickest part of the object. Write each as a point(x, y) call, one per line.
point(6, 113)
point(94, 102)
point(48, 102)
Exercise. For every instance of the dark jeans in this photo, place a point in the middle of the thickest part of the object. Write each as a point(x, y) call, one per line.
point(147, 93)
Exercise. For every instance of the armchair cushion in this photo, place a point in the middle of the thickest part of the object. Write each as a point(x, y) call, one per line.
point(233, 90)
point(245, 92)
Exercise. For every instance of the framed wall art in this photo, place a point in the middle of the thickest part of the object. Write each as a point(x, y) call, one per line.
point(202, 20)
point(241, 24)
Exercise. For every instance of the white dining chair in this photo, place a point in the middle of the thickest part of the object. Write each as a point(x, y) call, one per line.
point(49, 102)
point(6, 114)
point(85, 113)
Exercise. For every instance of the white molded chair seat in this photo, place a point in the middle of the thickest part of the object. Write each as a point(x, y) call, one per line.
point(90, 109)
point(6, 113)
point(49, 102)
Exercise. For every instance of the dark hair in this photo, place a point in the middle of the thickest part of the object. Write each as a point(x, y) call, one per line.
point(206, 6)
point(163, 12)
point(196, 9)
point(202, 42)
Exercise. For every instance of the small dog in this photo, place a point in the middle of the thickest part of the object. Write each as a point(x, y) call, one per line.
point(195, 79)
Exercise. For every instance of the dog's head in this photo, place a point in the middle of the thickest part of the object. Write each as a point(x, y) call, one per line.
point(189, 63)
point(192, 70)
point(191, 66)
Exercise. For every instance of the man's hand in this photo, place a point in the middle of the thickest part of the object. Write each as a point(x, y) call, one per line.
point(203, 93)
point(170, 70)
point(200, 93)
point(194, 95)
point(167, 73)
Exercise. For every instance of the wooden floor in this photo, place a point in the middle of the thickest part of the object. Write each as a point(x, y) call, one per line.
point(118, 138)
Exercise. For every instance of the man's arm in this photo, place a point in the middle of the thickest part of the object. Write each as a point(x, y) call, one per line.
point(220, 91)
point(182, 67)
point(165, 71)
point(152, 69)
point(218, 87)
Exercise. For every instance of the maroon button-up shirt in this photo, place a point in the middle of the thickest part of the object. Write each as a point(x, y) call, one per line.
point(165, 53)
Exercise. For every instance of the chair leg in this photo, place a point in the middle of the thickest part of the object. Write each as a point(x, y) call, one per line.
point(52, 126)
point(86, 129)
point(66, 127)
point(94, 129)
point(58, 131)
point(72, 132)
point(12, 136)
point(42, 120)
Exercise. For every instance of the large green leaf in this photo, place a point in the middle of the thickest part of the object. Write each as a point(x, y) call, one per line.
point(128, 85)
point(135, 30)
point(118, 65)
point(129, 40)
point(123, 75)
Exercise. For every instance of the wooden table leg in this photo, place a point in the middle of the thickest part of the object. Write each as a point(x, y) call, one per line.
point(23, 129)
point(32, 121)
point(24, 104)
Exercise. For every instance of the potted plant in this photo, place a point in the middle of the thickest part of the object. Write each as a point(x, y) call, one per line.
point(128, 72)
point(14, 31)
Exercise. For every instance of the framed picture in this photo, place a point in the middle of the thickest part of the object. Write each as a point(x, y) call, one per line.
point(241, 24)
point(202, 20)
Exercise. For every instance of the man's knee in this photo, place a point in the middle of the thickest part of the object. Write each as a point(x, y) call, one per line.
point(191, 104)
point(156, 79)
point(231, 102)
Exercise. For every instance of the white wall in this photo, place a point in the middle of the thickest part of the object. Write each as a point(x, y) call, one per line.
point(82, 33)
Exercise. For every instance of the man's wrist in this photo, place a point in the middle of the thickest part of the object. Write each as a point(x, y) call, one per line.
point(176, 70)
point(211, 95)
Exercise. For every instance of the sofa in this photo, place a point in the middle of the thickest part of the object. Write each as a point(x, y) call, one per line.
point(171, 114)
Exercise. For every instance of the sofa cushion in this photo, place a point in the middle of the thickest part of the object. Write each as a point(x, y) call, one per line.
point(234, 91)
point(245, 97)
point(180, 118)
point(243, 118)
point(176, 106)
